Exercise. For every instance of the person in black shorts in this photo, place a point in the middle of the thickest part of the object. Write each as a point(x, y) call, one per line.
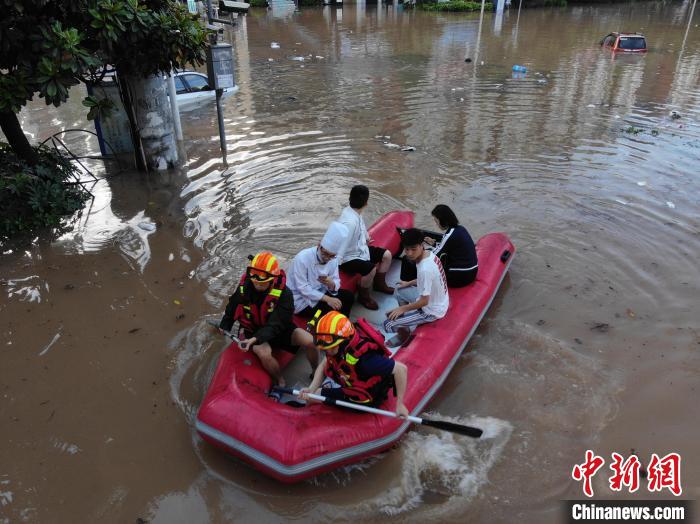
point(455, 249)
point(263, 307)
point(371, 262)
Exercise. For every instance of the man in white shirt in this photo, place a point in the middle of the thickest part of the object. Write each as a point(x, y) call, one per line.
point(424, 299)
point(314, 279)
point(359, 257)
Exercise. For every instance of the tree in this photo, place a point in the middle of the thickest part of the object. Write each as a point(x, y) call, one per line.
point(47, 46)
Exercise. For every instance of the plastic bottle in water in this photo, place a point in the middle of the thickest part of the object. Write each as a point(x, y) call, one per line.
point(520, 68)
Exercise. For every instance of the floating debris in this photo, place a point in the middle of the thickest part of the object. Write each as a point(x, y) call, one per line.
point(671, 205)
point(601, 327)
point(274, 45)
point(53, 341)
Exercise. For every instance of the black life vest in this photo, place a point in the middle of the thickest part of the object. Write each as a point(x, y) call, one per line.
point(342, 366)
point(252, 317)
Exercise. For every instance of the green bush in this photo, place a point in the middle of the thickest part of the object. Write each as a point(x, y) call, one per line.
point(456, 5)
point(257, 3)
point(33, 197)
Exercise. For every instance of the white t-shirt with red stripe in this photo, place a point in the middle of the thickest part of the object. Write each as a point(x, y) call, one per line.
point(433, 284)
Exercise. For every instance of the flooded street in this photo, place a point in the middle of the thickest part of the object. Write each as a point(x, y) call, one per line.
point(593, 341)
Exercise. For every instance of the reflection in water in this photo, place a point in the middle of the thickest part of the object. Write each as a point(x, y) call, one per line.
point(578, 160)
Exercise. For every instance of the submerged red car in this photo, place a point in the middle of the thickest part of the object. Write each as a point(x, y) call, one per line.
point(625, 42)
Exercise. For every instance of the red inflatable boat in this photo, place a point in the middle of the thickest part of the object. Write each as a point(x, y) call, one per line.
point(291, 443)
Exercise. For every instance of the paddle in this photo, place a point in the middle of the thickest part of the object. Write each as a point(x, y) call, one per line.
point(439, 424)
point(227, 333)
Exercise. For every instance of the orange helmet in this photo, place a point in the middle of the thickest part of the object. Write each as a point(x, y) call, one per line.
point(331, 330)
point(263, 267)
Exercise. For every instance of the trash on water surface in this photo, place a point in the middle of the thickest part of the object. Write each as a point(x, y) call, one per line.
point(520, 68)
point(274, 45)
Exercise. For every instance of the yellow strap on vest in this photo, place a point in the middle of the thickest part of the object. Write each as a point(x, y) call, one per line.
point(350, 359)
point(275, 292)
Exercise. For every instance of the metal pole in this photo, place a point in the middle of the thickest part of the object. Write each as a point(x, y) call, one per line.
point(478, 37)
point(210, 11)
point(172, 93)
point(219, 114)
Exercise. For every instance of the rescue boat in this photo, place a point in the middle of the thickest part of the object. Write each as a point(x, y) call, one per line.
point(292, 443)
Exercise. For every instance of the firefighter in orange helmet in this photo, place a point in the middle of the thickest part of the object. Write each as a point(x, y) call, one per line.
point(357, 366)
point(263, 307)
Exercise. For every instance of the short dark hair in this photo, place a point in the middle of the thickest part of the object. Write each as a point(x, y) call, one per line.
point(359, 195)
point(412, 237)
point(445, 216)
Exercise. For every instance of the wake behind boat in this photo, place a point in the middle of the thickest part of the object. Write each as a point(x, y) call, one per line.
point(292, 444)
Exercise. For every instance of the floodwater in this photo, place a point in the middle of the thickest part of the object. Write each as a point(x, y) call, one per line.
point(592, 343)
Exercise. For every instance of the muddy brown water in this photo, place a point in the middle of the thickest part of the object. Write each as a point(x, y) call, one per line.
point(592, 343)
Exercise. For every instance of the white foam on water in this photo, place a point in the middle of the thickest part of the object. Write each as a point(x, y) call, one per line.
point(5, 498)
point(26, 293)
point(65, 447)
point(438, 463)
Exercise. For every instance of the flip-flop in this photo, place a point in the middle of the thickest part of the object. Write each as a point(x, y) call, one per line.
point(275, 395)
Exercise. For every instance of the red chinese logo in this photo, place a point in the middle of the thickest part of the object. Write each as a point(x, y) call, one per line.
point(665, 473)
point(625, 473)
point(586, 471)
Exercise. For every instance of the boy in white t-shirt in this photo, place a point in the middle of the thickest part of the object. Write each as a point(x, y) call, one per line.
point(424, 299)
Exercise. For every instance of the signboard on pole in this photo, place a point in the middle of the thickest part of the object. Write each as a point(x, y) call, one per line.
point(220, 66)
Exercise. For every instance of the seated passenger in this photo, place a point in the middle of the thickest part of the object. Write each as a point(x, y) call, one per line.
point(263, 307)
point(423, 299)
point(357, 366)
point(359, 257)
point(314, 278)
point(454, 247)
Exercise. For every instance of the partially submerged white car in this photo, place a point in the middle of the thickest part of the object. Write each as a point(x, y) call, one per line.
point(193, 90)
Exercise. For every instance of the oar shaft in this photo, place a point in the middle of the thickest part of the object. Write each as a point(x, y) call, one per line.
point(227, 333)
point(358, 407)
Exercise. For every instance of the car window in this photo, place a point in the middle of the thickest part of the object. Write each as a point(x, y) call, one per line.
point(632, 42)
point(197, 83)
point(180, 86)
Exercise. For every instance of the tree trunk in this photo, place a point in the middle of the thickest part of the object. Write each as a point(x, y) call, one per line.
point(16, 138)
point(154, 121)
point(128, 102)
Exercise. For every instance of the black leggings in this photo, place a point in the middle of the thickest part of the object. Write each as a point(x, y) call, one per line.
point(345, 296)
point(454, 278)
